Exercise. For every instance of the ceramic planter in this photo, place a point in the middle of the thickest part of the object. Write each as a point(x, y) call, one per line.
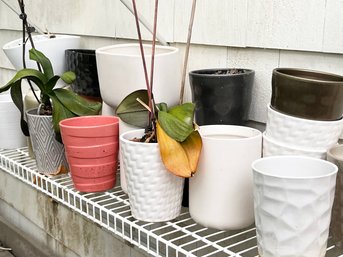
point(91, 144)
point(120, 68)
point(335, 155)
point(221, 97)
point(53, 48)
point(48, 151)
point(221, 192)
point(155, 194)
point(307, 94)
point(11, 135)
point(83, 63)
point(293, 197)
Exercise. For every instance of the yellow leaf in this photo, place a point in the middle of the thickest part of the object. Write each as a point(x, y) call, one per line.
point(180, 158)
point(173, 155)
point(192, 146)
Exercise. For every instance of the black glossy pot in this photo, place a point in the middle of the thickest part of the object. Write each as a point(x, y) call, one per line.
point(83, 63)
point(221, 96)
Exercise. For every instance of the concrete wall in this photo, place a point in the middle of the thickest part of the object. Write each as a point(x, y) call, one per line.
point(255, 34)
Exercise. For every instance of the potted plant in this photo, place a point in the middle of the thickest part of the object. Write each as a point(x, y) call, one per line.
point(158, 158)
point(56, 104)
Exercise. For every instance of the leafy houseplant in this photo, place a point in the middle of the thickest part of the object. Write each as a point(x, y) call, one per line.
point(58, 102)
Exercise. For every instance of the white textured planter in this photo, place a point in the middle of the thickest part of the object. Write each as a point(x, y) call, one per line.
point(120, 72)
point(221, 192)
point(11, 135)
point(155, 194)
point(49, 153)
point(293, 200)
point(53, 48)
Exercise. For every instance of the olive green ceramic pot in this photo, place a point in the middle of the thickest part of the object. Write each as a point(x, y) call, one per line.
point(307, 94)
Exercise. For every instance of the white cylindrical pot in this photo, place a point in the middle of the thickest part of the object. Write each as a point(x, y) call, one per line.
point(293, 197)
point(53, 48)
point(155, 193)
point(221, 192)
point(11, 135)
point(120, 72)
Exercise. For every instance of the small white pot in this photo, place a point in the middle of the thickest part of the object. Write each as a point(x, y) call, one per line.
point(53, 48)
point(293, 197)
point(11, 135)
point(155, 193)
point(120, 70)
point(221, 192)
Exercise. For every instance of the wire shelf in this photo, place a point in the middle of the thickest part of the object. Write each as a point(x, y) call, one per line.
point(111, 210)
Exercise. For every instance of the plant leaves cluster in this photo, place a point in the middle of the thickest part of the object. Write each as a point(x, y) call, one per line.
point(65, 103)
point(180, 144)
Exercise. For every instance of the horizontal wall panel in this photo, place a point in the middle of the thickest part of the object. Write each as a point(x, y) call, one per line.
point(333, 31)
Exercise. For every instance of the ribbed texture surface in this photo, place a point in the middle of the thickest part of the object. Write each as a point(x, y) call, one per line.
point(292, 217)
point(304, 133)
point(49, 152)
point(155, 194)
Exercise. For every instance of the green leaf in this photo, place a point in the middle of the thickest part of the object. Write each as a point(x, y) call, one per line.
point(35, 76)
point(49, 86)
point(133, 112)
point(17, 98)
point(68, 77)
point(178, 121)
point(59, 113)
point(162, 107)
point(43, 61)
point(75, 103)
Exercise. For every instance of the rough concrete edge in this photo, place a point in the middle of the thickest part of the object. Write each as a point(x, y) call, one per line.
point(21, 244)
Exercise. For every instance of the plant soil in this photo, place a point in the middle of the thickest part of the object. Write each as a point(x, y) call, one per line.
point(229, 71)
point(149, 137)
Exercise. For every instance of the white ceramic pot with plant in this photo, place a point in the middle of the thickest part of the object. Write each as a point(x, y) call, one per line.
point(221, 192)
point(158, 157)
point(56, 104)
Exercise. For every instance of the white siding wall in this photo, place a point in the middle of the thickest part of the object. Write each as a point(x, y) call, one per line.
point(255, 34)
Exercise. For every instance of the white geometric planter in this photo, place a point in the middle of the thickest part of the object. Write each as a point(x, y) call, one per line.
point(49, 153)
point(155, 194)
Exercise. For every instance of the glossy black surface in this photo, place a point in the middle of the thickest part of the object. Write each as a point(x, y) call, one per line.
point(221, 98)
point(83, 63)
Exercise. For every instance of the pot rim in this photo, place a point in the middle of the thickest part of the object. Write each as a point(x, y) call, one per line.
point(225, 130)
point(269, 173)
point(90, 52)
point(28, 112)
point(105, 50)
point(281, 72)
point(205, 72)
point(115, 120)
point(41, 38)
point(135, 131)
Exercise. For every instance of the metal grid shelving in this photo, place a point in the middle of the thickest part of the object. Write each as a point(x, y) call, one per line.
point(111, 210)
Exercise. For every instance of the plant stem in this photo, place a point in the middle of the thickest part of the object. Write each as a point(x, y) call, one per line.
point(185, 63)
point(27, 28)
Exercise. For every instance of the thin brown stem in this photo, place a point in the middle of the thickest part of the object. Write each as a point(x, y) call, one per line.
point(185, 62)
point(142, 51)
point(153, 47)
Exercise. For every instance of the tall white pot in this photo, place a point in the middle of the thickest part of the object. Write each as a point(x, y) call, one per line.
point(155, 193)
point(53, 48)
point(11, 135)
point(120, 72)
point(221, 192)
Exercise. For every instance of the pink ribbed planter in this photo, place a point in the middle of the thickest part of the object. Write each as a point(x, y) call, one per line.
point(91, 145)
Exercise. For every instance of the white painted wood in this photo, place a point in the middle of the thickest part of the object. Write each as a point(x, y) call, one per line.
point(332, 63)
point(263, 62)
point(333, 30)
point(293, 24)
point(9, 20)
point(216, 22)
point(125, 21)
